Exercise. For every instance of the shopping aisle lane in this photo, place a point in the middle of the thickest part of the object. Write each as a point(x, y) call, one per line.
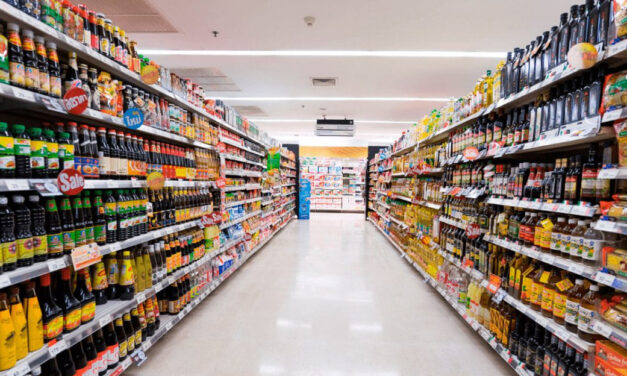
point(328, 296)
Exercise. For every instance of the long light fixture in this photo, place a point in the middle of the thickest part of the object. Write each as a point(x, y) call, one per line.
point(262, 120)
point(331, 53)
point(334, 99)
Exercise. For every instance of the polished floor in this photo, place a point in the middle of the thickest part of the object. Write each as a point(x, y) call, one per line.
point(328, 296)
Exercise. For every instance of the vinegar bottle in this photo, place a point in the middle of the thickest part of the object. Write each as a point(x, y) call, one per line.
point(19, 323)
point(7, 335)
point(33, 318)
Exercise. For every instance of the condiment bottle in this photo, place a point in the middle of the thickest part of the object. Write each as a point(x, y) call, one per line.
point(67, 226)
point(592, 244)
point(54, 70)
point(37, 153)
point(537, 286)
point(31, 66)
point(22, 151)
point(5, 76)
point(7, 152)
point(33, 318)
point(24, 238)
point(550, 279)
point(16, 59)
point(573, 301)
point(576, 240)
point(127, 278)
point(68, 303)
point(85, 297)
point(557, 235)
point(563, 287)
point(52, 154)
point(38, 228)
point(53, 229)
point(52, 315)
point(587, 312)
point(19, 323)
point(7, 335)
point(567, 237)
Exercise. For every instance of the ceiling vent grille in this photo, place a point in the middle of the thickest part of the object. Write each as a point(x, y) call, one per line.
point(324, 81)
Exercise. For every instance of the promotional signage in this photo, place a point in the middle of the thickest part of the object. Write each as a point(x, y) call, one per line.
point(150, 74)
point(582, 55)
point(221, 183)
point(471, 153)
point(85, 255)
point(155, 180)
point(304, 195)
point(75, 101)
point(473, 231)
point(211, 219)
point(133, 118)
point(70, 182)
point(221, 147)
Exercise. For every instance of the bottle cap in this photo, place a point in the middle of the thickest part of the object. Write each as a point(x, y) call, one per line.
point(27, 34)
point(34, 132)
point(18, 128)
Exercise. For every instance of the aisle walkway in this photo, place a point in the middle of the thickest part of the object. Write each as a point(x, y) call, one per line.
point(329, 296)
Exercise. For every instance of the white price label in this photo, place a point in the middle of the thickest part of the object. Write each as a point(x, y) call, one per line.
point(602, 328)
point(549, 259)
point(112, 184)
point(127, 362)
point(565, 209)
point(541, 320)
point(4, 281)
point(56, 264)
point(171, 280)
point(23, 94)
point(604, 278)
point(104, 320)
point(146, 345)
point(17, 184)
point(610, 173)
point(136, 183)
point(55, 349)
point(574, 268)
point(168, 326)
point(140, 297)
point(562, 333)
point(181, 315)
point(114, 247)
point(20, 369)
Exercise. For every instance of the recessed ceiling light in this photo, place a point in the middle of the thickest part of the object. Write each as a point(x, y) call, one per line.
point(335, 99)
point(331, 53)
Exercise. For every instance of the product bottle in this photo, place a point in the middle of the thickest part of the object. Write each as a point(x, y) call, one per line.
point(5, 76)
point(573, 26)
point(16, 58)
point(587, 312)
point(52, 315)
point(100, 223)
point(87, 219)
point(91, 355)
point(130, 332)
point(85, 297)
point(548, 293)
point(7, 335)
point(113, 276)
point(66, 151)
point(573, 301)
point(53, 229)
point(31, 70)
point(52, 154)
point(8, 247)
point(38, 228)
point(592, 245)
point(7, 152)
point(127, 277)
point(80, 233)
point(22, 151)
point(68, 303)
point(560, 300)
point(563, 38)
point(24, 238)
point(540, 278)
point(66, 363)
point(19, 323)
point(79, 359)
point(34, 318)
point(67, 226)
point(577, 240)
point(54, 70)
point(111, 341)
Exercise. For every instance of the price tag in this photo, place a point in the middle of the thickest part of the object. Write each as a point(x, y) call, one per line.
point(139, 357)
point(57, 347)
point(610, 173)
point(51, 104)
point(563, 208)
point(549, 259)
point(171, 280)
point(23, 94)
point(56, 264)
point(114, 247)
point(181, 315)
point(136, 183)
point(602, 329)
point(574, 268)
point(604, 278)
point(112, 184)
point(146, 345)
point(586, 211)
point(104, 320)
point(500, 152)
point(97, 114)
point(562, 333)
point(127, 362)
point(168, 326)
point(17, 184)
point(4, 281)
point(140, 297)
point(20, 369)
point(475, 325)
point(541, 320)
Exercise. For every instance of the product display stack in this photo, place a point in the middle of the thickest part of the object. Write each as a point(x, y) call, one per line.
point(126, 198)
point(510, 201)
point(279, 188)
point(337, 184)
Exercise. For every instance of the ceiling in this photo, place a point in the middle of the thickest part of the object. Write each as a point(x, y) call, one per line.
point(393, 25)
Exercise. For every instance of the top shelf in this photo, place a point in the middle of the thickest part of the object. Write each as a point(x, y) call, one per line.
point(89, 56)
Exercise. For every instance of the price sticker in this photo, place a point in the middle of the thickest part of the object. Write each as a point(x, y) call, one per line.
point(56, 264)
point(574, 268)
point(602, 329)
point(140, 297)
point(17, 184)
point(112, 184)
point(475, 325)
point(563, 208)
point(104, 320)
point(136, 184)
point(562, 333)
point(168, 326)
point(604, 278)
point(127, 362)
point(171, 280)
point(181, 315)
point(146, 345)
point(57, 347)
point(549, 259)
point(114, 247)
point(610, 173)
point(541, 320)
point(23, 94)
point(586, 211)
point(20, 369)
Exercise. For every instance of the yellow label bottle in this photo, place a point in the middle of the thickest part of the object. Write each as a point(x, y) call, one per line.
point(7, 336)
point(34, 320)
point(19, 324)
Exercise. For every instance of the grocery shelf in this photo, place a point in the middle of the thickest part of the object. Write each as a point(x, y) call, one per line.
point(238, 158)
point(241, 202)
point(590, 272)
point(568, 209)
point(245, 187)
point(405, 150)
point(610, 226)
point(239, 220)
point(615, 335)
point(188, 183)
point(443, 133)
point(242, 172)
point(613, 173)
point(29, 272)
point(228, 141)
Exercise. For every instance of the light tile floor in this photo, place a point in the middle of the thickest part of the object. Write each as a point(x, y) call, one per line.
point(328, 296)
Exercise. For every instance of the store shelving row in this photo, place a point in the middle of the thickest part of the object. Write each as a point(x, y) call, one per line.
point(243, 187)
point(511, 360)
point(242, 172)
point(568, 209)
point(239, 145)
point(239, 220)
point(242, 202)
point(238, 158)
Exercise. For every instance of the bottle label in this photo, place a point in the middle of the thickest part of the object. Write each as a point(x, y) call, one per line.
point(138, 337)
point(112, 226)
point(573, 245)
point(556, 241)
point(37, 153)
point(100, 233)
point(44, 81)
point(591, 249)
point(88, 311)
point(548, 295)
point(104, 163)
point(89, 234)
point(546, 239)
point(113, 274)
point(55, 86)
point(100, 277)
point(559, 305)
point(55, 244)
point(110, 209)
point(53, 163)
point(16, 72)
point(35, 325)
point(7, 163)
point(53, 328)
point(40, 245)
point(24, 248)
point(7, 146)
point(584, 320)
point(22, 146)
point(122, 349)
point(572, 312)
point(31, 78)
point(80, 236)
point(72, 320)
point(68, 240)
point(536, 293)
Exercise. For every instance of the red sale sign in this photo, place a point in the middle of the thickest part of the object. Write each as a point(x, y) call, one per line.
point(70, 182)
point(221, 147)
point(221, 183)
point(75, 101)
point(473, 231)
point(471, 153)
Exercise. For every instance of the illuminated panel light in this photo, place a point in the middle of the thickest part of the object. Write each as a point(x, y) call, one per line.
point(330, 53)
point(333, 99)
point(261, 120)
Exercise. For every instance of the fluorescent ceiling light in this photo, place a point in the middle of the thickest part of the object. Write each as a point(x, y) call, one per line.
point(330, 53)
point(333, 99)
point(262, 120)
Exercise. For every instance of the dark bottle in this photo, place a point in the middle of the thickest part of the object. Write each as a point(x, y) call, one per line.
point(71, 78)
point(98, 218)
point(87, 218)
point(555, 45)
point(7, 152)
point(139, 334)
point(87, 162)
point(54, 70)
point(72, 130)
point(595, 91)
point(604, 21)
point(111, 209)
point(68, 303)
point(126, 283)
point(49, 368)
point(563, 38)
point(83, 75)
point(123, 339)
point(91, 355)
point(593, 23)
point(22, 151)
point(114, 154)
point(54, 230)
point(31, 72)
point(37, 153)
point(103, 154)
point(23, 236)
point(8, 248)
point(589, 177)
point(38, 228)
point(80, 233)
point(95, 93)
point(16, 58)
point(129, 331)
point(573, 26)
point(515, 76)
point(79, 359)
point(111, 341)
point(67, 226)
point(52, 314)
point(535, 71)
point(53, 166)
point(121, 216)
point(66, 364)
point(559, 106)
point(582, 31)
point(85, 297)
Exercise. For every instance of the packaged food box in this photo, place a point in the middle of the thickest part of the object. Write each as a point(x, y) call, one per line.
point(615, 259)
point(611, 358)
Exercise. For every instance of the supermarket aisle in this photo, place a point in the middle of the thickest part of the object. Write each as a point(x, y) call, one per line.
point(328, 296)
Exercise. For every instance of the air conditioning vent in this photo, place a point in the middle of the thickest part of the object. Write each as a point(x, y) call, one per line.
point(324, 81)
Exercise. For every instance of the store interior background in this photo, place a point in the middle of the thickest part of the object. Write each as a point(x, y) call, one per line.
point(384, 95)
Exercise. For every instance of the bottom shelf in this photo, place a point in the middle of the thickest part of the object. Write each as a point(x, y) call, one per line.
point(512, 360)
point(168, 321)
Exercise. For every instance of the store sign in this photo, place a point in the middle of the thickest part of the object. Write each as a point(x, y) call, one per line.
point(150, 74)
point(582, 55)
point(210, 219)
point(221, 183)
point(75, 101)
point(85, 256)
point(221, 147)
point(473, 231)
point(133, 118)
point(155, 180)
point(70, 182)
point(471, 153)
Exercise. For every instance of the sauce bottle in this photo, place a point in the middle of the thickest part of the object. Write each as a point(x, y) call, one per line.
point(37, 153)
point(31, 69)
point(19, 323)
point(113, 349)
point(24, 238)
point(54, 70)
point(527, 282)
point(557, 235)
point(34, 318)
point(16, 58)
point(85, 297)
point(587, 311)
point(113, 276)
point(22, 151)
point(68, 303)
point(136, 326)
point(87, 218)
point(99, 283)
point(591, 247)
point(80, 232)
point(8, 248)
point(549, 279)
point(52, 315)
point(67, 226)
point(537, 286)
point(573, 301)
point(7, 335)
point(127, 277)
point(53, 166)
point(66, 150)
point(129, 331)
point(123, 339)
point(7, 152)
point(576, 240)
point(100, 223)
point(5, 76)
point(53, 230)
point(139, 272)
point(563, 287)
point(91, 356)
point(38, 228)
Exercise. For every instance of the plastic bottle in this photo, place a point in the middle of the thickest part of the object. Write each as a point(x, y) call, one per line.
point(562, 290)
point(8, 248)
point(38, 228)
point(99, 283)
point(68, 303)
point(7, 335)
point(16, 58)
point(85, 297)
point(53, 166)
point(7, 152)
point(111, 341)
point(87, 218)
point(33, 318)
point(573, 301)
point(66, 150)
point(127, 277)
point(52, 314)
point(19, 323)
point(587, 312)
point(54, 237)
point(37, 153)
point(576, 240)
point(42, 66)
point(98, 218)
point(22, 151)
point(113, 276)
point(67, 226)
point(54, 69)
point(123, 339)
point(111, 210)
point(592, 244)
point(24, 238)
point(31, 69)
point(129, 331)
point(80, 231)
point(5, 76)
